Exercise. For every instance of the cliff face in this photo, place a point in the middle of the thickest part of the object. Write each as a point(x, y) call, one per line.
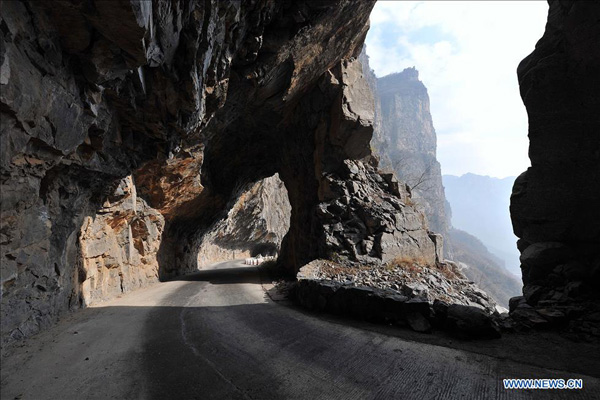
point(405, 141)
point(554, 204)
point(409, 142)
point(109, 126)
point(128, 129)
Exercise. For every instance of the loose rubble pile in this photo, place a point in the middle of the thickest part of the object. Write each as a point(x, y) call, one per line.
point(425, 298)
point(420, 297)
point(444, 282)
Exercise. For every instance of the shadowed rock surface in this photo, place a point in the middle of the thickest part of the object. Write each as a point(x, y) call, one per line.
point(129, 129)
point(554, 204)
point(111, 134)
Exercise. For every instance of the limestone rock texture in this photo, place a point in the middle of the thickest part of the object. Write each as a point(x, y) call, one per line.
point(131, 131)
point(555, 204)
point(342, 206)
point(129, 127)
point(118, 245)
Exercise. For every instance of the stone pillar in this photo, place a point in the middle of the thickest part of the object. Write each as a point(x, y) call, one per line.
point(555, 205)
point(342, 207)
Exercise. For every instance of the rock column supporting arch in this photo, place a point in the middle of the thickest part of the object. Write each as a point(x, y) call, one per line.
point(342, 207)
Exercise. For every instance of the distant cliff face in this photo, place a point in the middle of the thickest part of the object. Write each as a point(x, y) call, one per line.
point(483, 267)
point(405, 141)
point(409, 142)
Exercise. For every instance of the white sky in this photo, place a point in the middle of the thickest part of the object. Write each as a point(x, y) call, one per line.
point(467, 55)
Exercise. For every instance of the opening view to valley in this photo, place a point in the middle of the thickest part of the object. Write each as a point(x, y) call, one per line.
point(300, 199)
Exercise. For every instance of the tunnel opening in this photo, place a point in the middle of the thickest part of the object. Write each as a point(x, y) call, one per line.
point(256, 221)
point(145, 137)
point(432, 132)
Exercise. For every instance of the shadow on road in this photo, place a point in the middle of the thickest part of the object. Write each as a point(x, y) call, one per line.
point(246, 274)
point(263, 351)
point(186, 350)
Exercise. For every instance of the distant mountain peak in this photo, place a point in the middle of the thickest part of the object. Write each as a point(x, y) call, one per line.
point(408, 74)
point(411, 73)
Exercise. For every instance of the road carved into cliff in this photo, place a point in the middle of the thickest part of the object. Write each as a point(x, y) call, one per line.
point(217, 335)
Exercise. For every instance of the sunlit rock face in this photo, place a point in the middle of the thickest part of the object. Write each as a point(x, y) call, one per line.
point(555, 203)
point(410, 143)
point(342, 206)
point(118, 246)
point(255, 224)
point(404, 139)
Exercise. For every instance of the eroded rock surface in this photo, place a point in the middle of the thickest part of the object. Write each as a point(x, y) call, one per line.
point(341, 205)
point(404, 140)
point(119, 245)
point(554, 204)
point(111, 133)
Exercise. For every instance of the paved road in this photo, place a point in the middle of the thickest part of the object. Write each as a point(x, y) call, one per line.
point(216, 335)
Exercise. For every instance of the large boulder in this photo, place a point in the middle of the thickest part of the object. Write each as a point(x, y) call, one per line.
point(471, 322)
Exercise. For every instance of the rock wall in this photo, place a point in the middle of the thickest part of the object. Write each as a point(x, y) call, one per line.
point(119, 245)
point(128, 129)
point(342, 207)
point(109, 126)
point(554, 204)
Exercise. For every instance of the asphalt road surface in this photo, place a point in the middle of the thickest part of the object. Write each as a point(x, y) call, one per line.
point(217, 335)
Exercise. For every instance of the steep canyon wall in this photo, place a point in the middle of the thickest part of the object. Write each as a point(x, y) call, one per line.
point(405, 141)
point(115, 157)
point(129, 130)
point(555, 203)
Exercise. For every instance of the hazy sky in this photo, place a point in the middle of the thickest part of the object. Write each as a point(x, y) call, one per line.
point(467, 55)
